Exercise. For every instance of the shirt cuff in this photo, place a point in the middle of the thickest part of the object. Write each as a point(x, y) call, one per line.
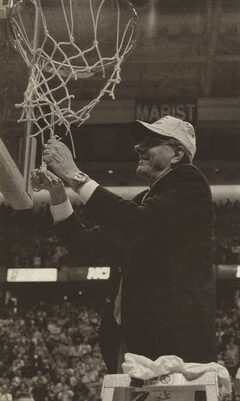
point(86, 190)
point(62, 211)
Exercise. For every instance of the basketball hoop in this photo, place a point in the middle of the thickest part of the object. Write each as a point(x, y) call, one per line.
point(56, 56)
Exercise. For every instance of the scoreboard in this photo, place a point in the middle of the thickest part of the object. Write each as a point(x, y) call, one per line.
point(89, 273)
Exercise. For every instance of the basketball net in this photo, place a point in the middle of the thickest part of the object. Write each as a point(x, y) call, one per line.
point(48, 101)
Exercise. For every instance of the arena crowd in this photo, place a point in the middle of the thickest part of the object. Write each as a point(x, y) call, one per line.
point(51, 352)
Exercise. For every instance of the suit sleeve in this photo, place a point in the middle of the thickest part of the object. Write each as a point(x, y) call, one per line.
point(175, 205)
point(107, 208)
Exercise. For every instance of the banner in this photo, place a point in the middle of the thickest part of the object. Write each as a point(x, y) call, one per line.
point(153, 110)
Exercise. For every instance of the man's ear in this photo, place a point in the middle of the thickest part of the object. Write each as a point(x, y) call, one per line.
point(178, 154)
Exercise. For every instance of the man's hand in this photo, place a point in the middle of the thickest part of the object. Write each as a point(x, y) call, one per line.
point(44, 179)
point(59, 158)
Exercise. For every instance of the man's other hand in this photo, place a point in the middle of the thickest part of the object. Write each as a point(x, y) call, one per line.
point(44, 179)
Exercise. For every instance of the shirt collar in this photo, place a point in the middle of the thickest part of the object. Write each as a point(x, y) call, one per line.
point(160, 177)
point(157, 180)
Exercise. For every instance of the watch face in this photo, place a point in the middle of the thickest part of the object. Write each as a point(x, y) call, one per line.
point(80, 178)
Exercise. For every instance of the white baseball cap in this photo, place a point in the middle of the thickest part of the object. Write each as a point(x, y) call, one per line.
point(173, 127)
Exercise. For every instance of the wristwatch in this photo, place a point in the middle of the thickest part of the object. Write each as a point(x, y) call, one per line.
point(78, 180)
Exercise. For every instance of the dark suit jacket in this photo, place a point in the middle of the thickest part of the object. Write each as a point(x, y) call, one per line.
point(165, 245)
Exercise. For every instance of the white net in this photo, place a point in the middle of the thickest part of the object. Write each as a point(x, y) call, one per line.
point(55, 61)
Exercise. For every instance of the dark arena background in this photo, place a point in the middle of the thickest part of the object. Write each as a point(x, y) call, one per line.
point(186, 63)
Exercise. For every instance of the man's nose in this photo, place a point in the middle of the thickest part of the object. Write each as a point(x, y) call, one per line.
point(139, 148)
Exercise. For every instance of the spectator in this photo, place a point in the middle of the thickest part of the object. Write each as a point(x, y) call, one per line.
point(231, 360)
point(4, 393)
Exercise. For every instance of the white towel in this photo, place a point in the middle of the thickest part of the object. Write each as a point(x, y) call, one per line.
point(140, 367)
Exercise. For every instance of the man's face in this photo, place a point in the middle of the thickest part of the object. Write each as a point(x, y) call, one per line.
point(155, 156)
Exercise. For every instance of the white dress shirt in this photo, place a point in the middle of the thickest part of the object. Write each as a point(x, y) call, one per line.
point(64, 210)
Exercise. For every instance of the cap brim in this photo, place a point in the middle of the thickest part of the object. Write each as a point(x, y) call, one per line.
point(141, 129)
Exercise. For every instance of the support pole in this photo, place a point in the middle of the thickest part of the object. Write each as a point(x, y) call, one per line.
point(30, 149)
point(214, 13)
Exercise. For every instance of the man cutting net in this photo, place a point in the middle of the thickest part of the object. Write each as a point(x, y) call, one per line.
point(162, 238)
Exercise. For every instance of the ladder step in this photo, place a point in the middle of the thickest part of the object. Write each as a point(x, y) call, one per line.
point(118, 388)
